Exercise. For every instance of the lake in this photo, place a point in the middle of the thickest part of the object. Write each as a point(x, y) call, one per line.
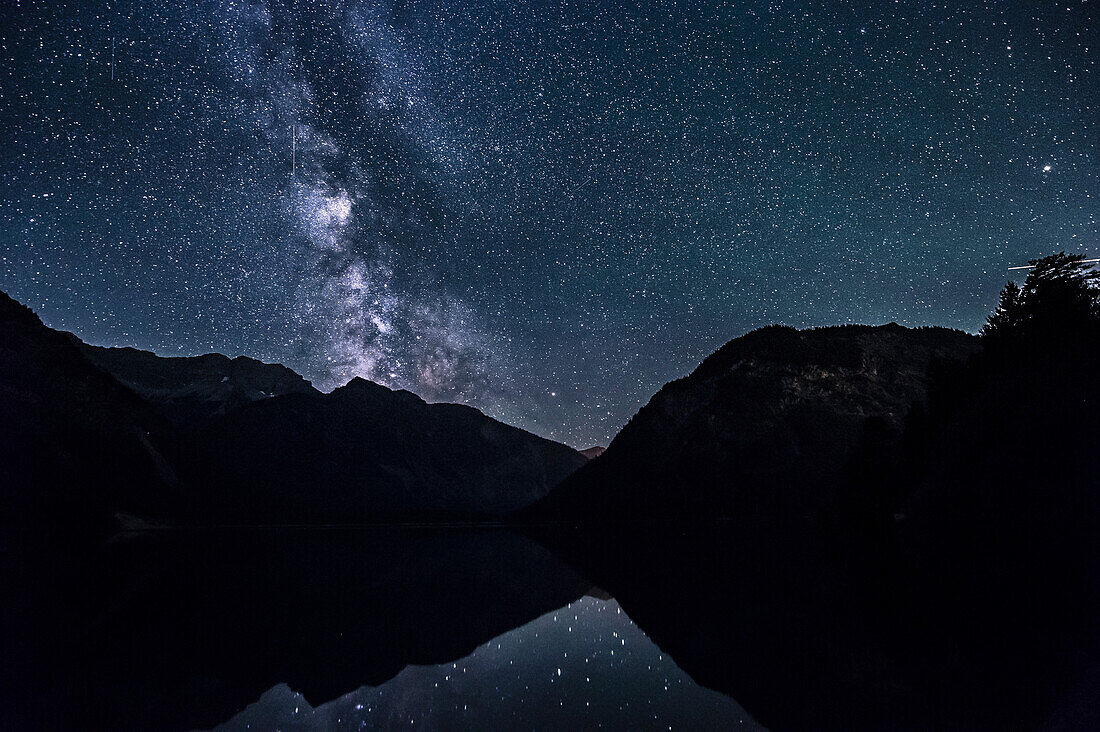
point(706, 625)
point(372, 627)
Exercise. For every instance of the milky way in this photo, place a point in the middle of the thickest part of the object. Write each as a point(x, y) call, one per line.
point(546, 210)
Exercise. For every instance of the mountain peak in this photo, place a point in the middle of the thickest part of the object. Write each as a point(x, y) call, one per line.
point(766, 423)
point(119, 430)
point(830, 347)
point(192, 389)
point(365, 389)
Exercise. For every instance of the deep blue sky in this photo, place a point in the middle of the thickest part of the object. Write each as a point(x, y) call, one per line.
point(545, 209)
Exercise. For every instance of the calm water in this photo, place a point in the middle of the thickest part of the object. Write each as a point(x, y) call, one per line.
point(329, 629)
point(707, 626)
point(586, 665)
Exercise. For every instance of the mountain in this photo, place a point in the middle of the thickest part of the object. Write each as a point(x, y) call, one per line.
point(770, 422)
point(189, 390)
point(73, 440)
point(92, 431)
point(365, 452)
point(913, 533)
point(593, 452)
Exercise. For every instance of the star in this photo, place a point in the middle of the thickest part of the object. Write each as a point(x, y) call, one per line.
point(472, 203)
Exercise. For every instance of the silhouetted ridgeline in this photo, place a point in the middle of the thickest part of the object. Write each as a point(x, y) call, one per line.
point(90, 431)
point(367, 451)
point(771, 422)
point(189, 390)
point(72, 439)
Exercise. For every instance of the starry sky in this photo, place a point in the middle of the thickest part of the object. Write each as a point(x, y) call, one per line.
point(544, 209)
point(584, 666)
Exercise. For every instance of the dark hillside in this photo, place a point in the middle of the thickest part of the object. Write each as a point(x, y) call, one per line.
point(768, 423)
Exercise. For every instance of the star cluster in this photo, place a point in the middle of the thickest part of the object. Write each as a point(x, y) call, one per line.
point(546, 210)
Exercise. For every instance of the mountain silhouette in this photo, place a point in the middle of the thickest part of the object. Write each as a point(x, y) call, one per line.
point(208, 439)
point(368, 452)
point(188, 390)
point(768, 423)
point(73, 440)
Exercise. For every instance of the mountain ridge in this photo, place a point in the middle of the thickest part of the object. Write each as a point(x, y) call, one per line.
point(192, 388)
point(107, 430)
point(772, 410)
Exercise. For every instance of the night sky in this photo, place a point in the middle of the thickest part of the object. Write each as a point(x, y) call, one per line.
point(547, 210)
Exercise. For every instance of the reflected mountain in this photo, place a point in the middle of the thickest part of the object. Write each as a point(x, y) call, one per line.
point(782, 631)
point(178, 630)
point(583, 666)
point(808, 635)
point(186, 630)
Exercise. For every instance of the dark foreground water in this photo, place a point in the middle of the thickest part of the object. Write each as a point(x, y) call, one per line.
point(643, 626)
point(366, 628)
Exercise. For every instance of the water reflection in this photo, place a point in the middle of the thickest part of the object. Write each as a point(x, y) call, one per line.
point(183, 630)
point(186, 630)
point(586, 665)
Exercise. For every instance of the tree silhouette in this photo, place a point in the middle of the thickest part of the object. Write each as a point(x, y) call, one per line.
point(1005, 319)
point(1059, 298)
